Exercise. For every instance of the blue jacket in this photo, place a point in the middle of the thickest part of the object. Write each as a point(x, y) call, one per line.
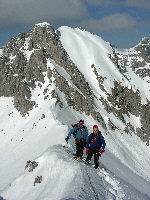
point(81, 133)
point(97, 143)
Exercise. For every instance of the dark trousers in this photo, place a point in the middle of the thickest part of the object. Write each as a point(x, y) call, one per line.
point(94, 152)
point(80, 144)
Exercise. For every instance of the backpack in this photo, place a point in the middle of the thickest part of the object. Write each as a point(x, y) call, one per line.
point(73, 125)
point(76, 125)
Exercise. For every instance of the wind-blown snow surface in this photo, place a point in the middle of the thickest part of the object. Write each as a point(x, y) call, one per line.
point(40, 136)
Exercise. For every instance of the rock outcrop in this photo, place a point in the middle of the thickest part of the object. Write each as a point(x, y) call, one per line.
point(127, 100)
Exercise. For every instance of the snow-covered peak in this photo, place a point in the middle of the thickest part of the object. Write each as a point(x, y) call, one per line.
point(144, 47)
point(43, 24)
point(86, 50)
point(40, 27)
point(144, 41)
point(54, 79)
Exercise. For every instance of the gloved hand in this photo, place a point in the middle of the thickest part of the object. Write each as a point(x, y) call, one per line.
point(102, 150)
point(87, 150)
point(67, 138)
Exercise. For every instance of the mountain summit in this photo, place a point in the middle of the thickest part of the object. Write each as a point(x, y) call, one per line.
point(50, 79)
point(99, 78)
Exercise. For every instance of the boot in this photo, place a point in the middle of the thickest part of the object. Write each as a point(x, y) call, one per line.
point(96, 165)
point(78, 158)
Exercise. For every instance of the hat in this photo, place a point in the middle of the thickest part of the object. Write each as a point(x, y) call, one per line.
point(81, 121)
point(95, 126)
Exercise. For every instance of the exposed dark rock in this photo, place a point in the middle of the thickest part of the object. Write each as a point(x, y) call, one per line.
point(144, 47)
point(38, 179)
point(31, 165)
point(99, 78)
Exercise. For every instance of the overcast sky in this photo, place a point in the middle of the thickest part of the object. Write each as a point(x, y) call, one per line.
point(121, 22)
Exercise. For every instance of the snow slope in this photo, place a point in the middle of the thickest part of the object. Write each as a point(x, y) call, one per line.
point(40, 136)
point(64, 178)
point(85, 49)
point(26, 138)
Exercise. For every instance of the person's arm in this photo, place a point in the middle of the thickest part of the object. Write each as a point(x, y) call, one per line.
point(73, 130)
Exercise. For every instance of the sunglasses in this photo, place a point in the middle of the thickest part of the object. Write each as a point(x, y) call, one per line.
point(95, 129)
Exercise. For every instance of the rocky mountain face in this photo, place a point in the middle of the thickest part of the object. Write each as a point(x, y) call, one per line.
point(138, 59)
point(19, 74)
point(24, 65)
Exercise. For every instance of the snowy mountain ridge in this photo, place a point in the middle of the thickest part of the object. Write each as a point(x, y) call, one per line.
point(51, 79)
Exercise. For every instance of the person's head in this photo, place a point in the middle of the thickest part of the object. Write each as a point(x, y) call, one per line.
point(81, 122)
point(95, 129)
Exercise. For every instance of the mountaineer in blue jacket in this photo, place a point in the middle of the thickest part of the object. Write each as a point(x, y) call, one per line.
point(80, 133)
point(95, 146)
